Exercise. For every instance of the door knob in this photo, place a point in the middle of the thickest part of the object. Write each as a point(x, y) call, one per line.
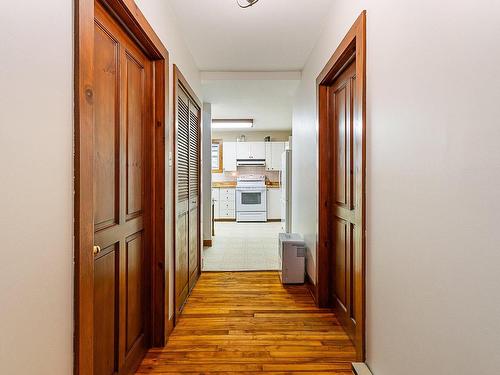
point(97, 249)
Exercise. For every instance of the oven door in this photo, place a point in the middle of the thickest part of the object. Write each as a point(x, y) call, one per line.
point(251, 200)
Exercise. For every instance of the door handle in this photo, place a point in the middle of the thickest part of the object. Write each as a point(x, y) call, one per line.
point(97, 249)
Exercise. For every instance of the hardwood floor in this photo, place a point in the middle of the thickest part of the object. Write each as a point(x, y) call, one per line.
point(248, 323)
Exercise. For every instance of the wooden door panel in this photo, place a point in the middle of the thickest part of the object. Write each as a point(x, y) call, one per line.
point(134, 289)
point(354, 146)
point(182, 143)
point(106, 131)
point(341, 139)
point(105, 311)
point(355, 268)
point(193, 246)
point(135, 143)
point(194, 182)
point(182, 260)
point(340, 262)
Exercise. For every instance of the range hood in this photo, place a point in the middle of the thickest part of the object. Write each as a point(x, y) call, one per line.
point(251, 162)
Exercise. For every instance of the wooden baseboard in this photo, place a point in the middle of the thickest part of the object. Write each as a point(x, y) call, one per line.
point(361, 368)
point(274, 220)
point(312, 287)
point(207, 243)
point(224, 219)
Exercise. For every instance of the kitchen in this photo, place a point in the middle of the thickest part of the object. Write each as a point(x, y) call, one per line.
point(251, 202)
point(248, 116)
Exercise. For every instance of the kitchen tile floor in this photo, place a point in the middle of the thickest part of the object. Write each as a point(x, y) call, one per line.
point(243, 247)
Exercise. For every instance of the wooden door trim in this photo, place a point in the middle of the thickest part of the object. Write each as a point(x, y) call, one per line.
point(353, 46)
point(130, 17)
point(178, 78)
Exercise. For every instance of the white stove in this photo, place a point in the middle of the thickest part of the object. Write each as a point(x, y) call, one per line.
point(251, 202)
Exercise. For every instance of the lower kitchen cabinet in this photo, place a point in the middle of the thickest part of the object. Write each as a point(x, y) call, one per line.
point(225, 203)
point(273, 203)
point(216, 200)
point(224, 207)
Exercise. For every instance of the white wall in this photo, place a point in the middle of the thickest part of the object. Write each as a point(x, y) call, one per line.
point(36, 188)
point(433, 175)
point(162, 18)
point(206, 177)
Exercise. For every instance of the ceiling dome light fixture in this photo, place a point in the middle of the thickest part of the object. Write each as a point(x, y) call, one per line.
point(248, 4)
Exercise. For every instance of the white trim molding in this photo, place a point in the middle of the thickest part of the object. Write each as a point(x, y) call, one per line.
point(361, 368)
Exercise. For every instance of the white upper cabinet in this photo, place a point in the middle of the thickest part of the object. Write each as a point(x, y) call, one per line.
point(251, 150)
point(229, 156)
point(243, 150)
point(270, 151)
point(274, 150)
point(257, 150)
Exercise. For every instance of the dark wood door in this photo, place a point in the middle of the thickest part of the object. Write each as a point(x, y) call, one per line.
point(122, 183)
point(194, 188)
point(346, 220)
point(182, 204)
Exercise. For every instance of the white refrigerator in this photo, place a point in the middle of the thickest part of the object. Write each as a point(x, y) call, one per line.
point(286, 191)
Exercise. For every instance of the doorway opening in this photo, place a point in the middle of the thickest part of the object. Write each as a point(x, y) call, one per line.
point(250, 169)
point(341, 264)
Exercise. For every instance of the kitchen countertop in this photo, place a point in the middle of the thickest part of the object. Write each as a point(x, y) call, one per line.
point(232, 184)
point(273, 185)
point(224, 184)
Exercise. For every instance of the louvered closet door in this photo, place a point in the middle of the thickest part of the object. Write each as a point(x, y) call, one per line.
point(194, 187)
point(182, 206)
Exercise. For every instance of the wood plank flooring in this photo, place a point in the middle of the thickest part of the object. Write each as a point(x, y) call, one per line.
point(248, 323)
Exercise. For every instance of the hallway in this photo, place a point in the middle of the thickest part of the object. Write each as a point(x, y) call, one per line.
point(247, 322)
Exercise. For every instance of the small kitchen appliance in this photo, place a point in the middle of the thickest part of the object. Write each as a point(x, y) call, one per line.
point(292, 257)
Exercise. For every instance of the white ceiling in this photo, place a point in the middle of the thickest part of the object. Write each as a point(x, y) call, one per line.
point(267, 102)
point(272, 35)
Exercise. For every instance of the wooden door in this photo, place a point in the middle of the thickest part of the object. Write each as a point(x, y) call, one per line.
point(341, 248)
point(194, 190)
point(122, 183)
point(182, 204)
point(187, 172)
point(346, 221)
